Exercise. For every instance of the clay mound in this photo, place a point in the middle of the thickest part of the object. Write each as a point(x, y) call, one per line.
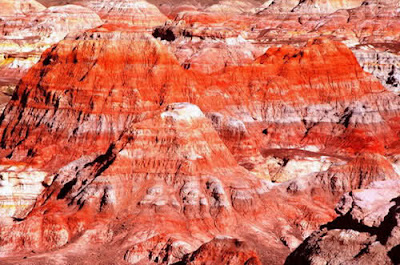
point(47, 26)
point(308, 7)
point(10, 8)
point(169, 83)
point(56, 22)
point(140, 14)
point(122, 146)
point(91, 55)
point(357, 24)
point(278, 6)
point(235, 7)
point(327, 70)
point(343, 176)
point(172, 8)
point(358, 173)
point(132, 147)
point(24, 38)
point(326, 6)
point(223, 250)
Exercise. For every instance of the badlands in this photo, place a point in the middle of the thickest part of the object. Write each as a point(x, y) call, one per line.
point(200, 132)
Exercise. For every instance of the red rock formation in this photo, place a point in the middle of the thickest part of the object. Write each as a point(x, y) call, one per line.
point(144, 150)
point(223, 251)
point(381, 64)
point(25, 35)
point(171, 161)
point(326, 6)
point(366, 232)
point(273, 22)
point(137, 13)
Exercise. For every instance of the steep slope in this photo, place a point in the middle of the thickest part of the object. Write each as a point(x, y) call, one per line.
point(200, 131)
point(25, 35)
point(260, 24)
point(382, 64)
point(366, 231)
point(132, 148)
point(223, 251)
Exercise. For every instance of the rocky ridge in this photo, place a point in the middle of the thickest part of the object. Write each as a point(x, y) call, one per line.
point(180, 162)
point(25, 35)
point(219, 124)
point(367, 227)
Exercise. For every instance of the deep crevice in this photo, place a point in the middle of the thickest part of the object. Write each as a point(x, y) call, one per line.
point(67, 188)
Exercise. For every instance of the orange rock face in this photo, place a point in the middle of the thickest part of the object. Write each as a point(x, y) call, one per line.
point(223, 251)
point(28, 29)
point(187, 133)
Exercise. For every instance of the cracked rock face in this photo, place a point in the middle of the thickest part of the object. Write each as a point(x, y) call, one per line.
point(384, 65)
point(200, 132)
point(365, 232)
